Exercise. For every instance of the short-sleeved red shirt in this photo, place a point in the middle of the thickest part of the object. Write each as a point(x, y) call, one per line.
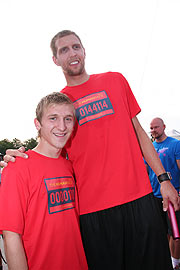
point(38, 200)
point(104, 151)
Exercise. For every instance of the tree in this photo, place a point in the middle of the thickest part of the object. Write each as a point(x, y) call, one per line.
point(15, 144)
point(4, 145)
point(30, 144)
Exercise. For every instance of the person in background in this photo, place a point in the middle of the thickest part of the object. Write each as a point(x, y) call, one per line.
point(120, 221)
point(39, 213)
point(168, 149)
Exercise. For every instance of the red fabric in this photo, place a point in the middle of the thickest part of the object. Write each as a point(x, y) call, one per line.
point(38, 200)
point(105, 153)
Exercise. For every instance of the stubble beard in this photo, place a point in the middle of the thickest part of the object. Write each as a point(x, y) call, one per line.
point(78, 72)
point(158, 136)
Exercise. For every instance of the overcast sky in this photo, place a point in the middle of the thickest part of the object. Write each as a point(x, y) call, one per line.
point(139, 38)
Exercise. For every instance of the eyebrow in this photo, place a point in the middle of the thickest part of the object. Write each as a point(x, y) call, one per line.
point(69, 115)
point(74, 44)
point(52, 114)
point(154, 127)
point(55, 114)
point(77, 44)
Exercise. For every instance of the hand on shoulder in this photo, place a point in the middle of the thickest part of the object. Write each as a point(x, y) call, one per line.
point(11, 155)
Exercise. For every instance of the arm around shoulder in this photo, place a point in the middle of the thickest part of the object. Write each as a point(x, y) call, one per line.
point(11, 155)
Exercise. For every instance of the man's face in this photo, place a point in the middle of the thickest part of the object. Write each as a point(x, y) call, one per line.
point(56, 126)
point(70, 55)
point(157, 128)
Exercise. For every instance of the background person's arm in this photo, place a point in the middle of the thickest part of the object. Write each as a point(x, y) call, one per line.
point(14, 251)
point(167, 190)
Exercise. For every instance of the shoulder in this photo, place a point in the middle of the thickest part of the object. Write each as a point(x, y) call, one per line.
point(113, 79)
point(173, 140)
point(173, 143)
point(20, 165)
point(109, 75)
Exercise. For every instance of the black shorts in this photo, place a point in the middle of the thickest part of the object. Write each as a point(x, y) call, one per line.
point(126, 237)
point(165, 217)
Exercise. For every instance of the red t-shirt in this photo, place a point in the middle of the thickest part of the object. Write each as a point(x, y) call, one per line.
point(104, 151)
point(38, 200)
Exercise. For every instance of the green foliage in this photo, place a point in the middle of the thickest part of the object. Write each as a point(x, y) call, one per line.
point(4, 145)
point(15, 144)
point(30, 144)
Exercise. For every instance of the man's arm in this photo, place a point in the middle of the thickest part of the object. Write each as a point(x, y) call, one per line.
point(167, 190)
point(14, 251)
point(178, 163)
point(147, 168)
point(11, 154)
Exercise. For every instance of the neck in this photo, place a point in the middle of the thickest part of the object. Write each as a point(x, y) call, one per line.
point(48, 152)
point(161, 138)
point(76, 80)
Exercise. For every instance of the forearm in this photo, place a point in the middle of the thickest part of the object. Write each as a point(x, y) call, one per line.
point(14, 251)
point(167, 190)
point(147, 148)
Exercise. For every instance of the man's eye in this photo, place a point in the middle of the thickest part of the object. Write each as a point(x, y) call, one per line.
point(53, 118)
point(69, 119)
point(63, 50)
point(76, 46)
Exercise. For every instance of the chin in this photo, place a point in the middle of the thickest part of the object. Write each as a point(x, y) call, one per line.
point(75, 73)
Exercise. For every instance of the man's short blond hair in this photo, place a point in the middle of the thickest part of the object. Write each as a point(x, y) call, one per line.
point(53, 98)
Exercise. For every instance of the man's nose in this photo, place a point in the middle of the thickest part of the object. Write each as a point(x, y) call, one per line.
point(61, 125)
point(72, 52)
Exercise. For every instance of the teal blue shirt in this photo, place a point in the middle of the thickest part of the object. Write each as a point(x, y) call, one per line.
point(169, 152)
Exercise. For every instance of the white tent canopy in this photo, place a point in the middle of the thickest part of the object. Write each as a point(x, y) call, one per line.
point(173, 133)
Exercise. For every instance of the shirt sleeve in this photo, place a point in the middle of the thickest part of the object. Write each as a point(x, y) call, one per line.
point(129, 98)
point(13, 199)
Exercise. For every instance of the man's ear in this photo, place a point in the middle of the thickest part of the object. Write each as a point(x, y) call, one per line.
point(84, 52)
point(37, 124)
point(55, 61)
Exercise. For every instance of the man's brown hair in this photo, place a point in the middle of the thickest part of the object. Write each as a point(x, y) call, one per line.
point(59, 35)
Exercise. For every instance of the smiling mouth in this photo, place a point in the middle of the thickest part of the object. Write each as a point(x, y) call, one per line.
point(60, 135)
point(74, 63)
